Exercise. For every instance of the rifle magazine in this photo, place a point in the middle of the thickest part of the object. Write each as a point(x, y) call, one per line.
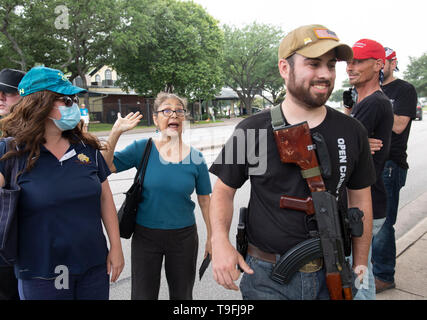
point(295, 258)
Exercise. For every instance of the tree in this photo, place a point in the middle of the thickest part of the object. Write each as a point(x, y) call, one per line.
point(168, 45)
point(27, 35)
point(250, 60)
point(336, 96)
point(416, 74)
point(86, 32)
point(274, 84)
point(72, 36)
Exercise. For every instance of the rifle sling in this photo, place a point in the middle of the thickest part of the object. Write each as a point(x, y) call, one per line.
point(277, 119)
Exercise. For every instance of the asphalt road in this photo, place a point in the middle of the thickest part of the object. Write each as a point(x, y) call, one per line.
point(207, 289)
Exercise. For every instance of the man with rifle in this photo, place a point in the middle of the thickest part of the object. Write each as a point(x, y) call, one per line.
point(309, 155)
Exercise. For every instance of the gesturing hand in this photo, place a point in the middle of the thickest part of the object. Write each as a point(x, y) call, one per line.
point(127, 123)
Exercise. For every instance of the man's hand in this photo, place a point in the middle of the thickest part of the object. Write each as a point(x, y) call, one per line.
point(375, 145)
point(225, 259)
point(127, 123)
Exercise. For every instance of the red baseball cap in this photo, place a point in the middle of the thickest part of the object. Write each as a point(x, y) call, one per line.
point(390, 54)
point(368, 49)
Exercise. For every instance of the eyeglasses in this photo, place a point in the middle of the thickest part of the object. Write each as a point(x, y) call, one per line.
point(168, 112)
point(69, 101)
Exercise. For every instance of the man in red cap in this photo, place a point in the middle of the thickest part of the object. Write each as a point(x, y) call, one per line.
point(373, 109)
point(404, 100)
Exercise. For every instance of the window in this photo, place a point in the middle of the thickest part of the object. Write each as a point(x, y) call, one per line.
point(108, 74)
point(98, 78)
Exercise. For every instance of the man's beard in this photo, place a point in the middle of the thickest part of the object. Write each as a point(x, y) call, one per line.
point(303, 94)
point(387, 73)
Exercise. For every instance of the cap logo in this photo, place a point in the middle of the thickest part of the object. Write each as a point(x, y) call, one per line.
point(307, 41)
point(21, 91)
point(62, 76)
point(359, 45)
point(325, 34)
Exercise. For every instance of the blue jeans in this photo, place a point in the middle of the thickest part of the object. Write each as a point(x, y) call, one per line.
point(366, 291)
point(92, 285)
point(384, 243)
point(303, 286)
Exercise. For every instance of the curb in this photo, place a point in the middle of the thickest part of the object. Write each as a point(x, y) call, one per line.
point(414, 234)
point(411, 237)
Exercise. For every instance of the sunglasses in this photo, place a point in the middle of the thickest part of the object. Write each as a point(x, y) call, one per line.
point(68, 101)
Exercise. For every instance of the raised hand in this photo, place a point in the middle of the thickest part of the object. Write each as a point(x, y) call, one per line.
point(127, 123)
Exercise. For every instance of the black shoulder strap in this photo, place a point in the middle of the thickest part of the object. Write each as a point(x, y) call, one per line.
point(143, 164)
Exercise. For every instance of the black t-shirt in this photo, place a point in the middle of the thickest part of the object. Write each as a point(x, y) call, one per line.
point(403, 97)
point(270, 228)
point(376, 114)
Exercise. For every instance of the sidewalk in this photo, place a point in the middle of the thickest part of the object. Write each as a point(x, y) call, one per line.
point(411, 264)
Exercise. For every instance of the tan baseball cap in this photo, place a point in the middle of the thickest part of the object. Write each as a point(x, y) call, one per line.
point(312, 41)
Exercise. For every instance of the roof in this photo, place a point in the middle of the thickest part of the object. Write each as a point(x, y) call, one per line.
point(227, 94)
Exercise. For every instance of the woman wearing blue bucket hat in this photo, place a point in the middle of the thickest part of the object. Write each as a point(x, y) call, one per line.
point(65, 196)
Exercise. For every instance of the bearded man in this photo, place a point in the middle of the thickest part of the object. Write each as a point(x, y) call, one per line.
point(306, 60)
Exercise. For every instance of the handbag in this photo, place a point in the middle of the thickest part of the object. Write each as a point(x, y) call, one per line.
point(9, 196)
point(129, 208)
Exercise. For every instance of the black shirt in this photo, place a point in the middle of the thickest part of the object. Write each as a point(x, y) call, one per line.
point(376, 114)
point(403, 97)
point(270, 228)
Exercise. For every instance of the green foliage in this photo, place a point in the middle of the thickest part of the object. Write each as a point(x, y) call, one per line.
point(250, 60)
point(346, 84)
point(168, 45)
point(88, 36)
point(69, 35)
point(28, 35)
point(336, 96)
point(416, 73)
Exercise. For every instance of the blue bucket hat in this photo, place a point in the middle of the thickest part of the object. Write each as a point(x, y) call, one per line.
point(42, 78)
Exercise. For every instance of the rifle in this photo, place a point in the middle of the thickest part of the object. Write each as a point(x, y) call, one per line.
point(296, 146)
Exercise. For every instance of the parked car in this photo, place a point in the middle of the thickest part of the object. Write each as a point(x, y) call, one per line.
point(419, 114)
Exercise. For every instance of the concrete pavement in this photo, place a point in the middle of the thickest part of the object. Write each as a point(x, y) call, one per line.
point(411, 263)
point(411, 270)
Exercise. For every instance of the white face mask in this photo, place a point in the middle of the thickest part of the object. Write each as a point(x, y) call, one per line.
point(70, 117)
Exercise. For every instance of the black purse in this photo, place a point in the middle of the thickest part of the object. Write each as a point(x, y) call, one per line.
point(129, 208)
point(9, 196)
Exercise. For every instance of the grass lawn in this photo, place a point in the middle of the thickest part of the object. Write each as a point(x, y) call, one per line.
point(95, 127)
